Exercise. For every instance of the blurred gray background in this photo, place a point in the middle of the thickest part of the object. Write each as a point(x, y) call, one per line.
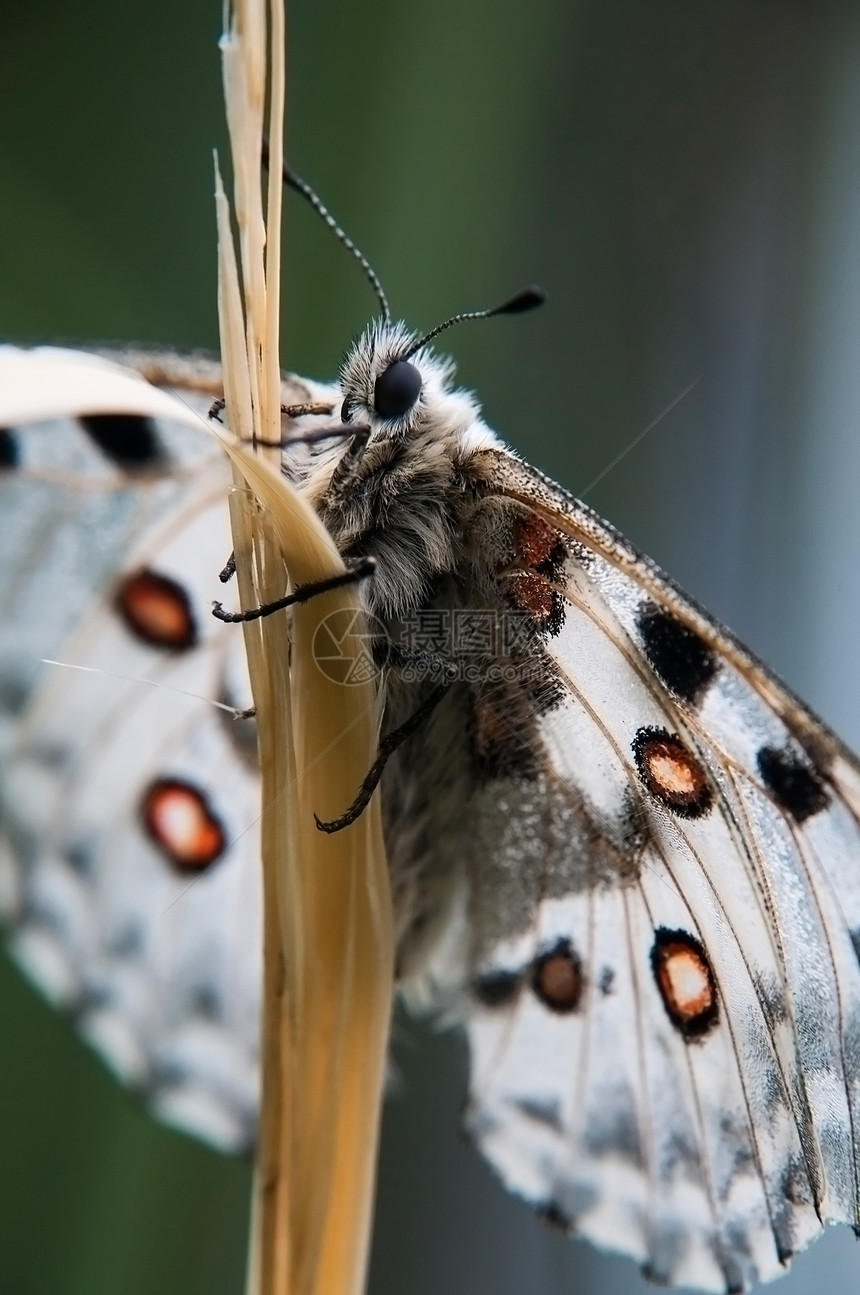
point(684, 178)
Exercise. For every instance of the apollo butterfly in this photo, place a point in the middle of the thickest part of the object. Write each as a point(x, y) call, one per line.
point(622, 854)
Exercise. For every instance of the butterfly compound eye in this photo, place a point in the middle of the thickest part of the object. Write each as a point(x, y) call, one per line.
point(397, 389)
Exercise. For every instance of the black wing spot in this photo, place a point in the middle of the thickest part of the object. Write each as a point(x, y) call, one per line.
point(677, 656)
point(80, 858)
point(497, 988)
point(794, 784)
point(10, 452)
point(855, 942)
point(545, 1112)
point(550, 1213)
point(128, 440)
point(14, 694)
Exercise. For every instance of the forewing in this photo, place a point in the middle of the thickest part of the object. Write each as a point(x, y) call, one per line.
point(128, 876)
point(665, 1018)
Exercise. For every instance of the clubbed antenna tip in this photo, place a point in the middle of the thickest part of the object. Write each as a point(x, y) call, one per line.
point(526, 299)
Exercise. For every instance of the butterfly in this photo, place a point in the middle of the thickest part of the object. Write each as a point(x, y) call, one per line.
point(623, 855)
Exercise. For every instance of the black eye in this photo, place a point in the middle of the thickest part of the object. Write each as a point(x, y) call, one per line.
point(397, 389)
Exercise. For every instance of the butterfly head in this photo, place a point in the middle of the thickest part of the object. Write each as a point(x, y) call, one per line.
point(393, 382)
point(388, 378)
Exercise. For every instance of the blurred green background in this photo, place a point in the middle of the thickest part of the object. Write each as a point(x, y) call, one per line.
point(684, 178)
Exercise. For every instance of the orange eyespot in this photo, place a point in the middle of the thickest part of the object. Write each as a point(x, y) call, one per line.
point(685, 981)
point(557, 978)
point(671, 773)
point(178, 818)
point(157, 610)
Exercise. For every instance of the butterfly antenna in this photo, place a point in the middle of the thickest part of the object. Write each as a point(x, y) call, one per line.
point(526, 299)
point(293, 181)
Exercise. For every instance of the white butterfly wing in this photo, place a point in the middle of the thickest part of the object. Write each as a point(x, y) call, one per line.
point(128, 877)
point(665, 1026)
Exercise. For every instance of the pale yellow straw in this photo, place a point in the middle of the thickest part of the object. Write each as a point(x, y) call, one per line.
point(328, 945)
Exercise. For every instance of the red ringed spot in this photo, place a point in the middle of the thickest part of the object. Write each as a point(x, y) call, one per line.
point(534, 595)
point(685, 981)
point(157, 610)
point(539, 546)
point(671, 773)
point(178, 818)
point(557, 978)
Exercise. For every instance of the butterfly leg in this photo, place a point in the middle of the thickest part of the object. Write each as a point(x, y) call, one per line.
point(387, 747)
point(216, 409)
point(328, 433)
point(331, 432)
point(358, 570)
